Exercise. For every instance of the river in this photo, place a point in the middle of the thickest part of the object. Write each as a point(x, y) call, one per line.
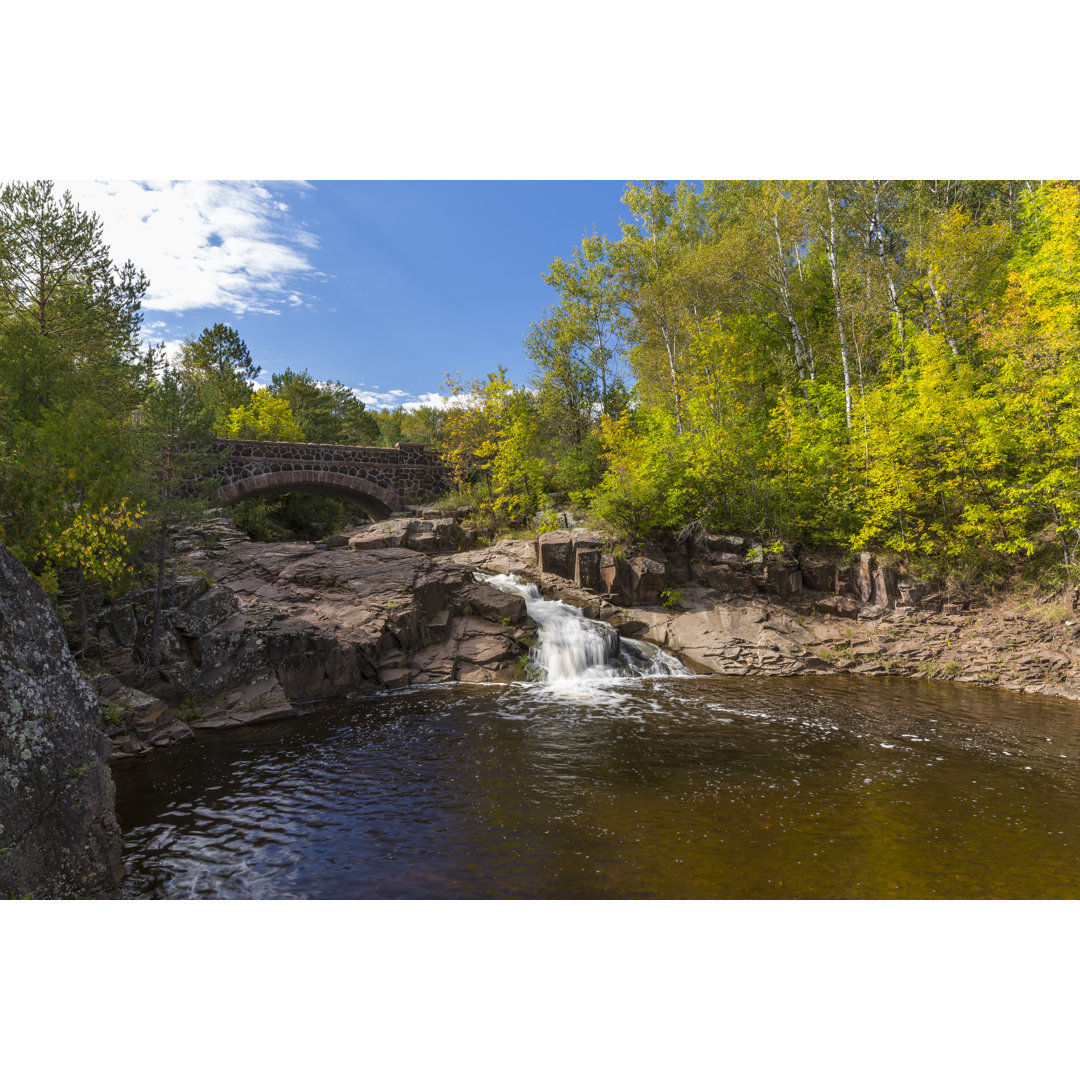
point(619, 775)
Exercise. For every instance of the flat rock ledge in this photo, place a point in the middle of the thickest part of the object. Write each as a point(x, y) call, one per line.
point(265, 630)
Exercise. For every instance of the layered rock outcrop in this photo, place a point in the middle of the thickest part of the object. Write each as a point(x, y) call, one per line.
point(728, 565)
point(286, 625)
point(397, 604)
point(59, 836)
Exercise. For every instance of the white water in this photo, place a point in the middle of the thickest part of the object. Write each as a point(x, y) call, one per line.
point(573, 651)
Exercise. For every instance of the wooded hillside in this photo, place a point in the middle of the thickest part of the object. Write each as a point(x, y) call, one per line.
point(886, 364)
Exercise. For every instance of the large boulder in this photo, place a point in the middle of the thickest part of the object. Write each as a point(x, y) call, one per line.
point(503, 557)
point(587, 569)
point(491, 603)
point(58, 831)
point(783, 578)
point(872, 584)
point(649, 579)
point(862, 577)
point(555, 553)
point(618, 578)
point(727, 579)
point(818, 574)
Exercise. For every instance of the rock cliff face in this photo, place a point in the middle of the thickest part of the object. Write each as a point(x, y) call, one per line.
point(58, 831)
point(287, 625)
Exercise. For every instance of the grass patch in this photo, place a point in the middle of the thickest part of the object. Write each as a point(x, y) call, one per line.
point(1052, 614)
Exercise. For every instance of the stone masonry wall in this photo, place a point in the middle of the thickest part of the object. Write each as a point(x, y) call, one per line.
point(406, 475)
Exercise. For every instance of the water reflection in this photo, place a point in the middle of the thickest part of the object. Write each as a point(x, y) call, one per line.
point(705, 787)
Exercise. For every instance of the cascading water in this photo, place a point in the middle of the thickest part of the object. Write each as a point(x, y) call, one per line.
point(572, 650)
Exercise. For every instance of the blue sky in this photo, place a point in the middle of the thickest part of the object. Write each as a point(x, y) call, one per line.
point(382, 285)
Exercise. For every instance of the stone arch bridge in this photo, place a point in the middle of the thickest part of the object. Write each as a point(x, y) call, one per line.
point(377, 479)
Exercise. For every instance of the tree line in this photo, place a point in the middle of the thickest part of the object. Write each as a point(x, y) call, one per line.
point(883, 364)
point(100, 434)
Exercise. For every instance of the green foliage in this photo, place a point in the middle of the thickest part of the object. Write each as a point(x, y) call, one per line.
point(188, 711)
point(646, 486)
point(297, 515)
point(219, 364)
point(265, 416)
point(327, 412)
point(97, 544)
point(218, 350)
point(258, 516)
point(493, 444)
point(548, 521)
point(858, 364)
point(671, 598)
point(71, 375)
point(578, 470)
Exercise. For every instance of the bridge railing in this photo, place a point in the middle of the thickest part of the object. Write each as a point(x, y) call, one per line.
point(403, 455)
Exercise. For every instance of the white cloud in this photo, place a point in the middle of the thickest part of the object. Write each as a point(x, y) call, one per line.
point(203, 243)
point(172, 349)
point(393, 399)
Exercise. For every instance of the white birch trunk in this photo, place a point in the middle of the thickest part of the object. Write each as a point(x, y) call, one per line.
point(834, 271)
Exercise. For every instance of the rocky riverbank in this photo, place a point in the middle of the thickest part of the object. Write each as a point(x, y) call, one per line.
point(734, 611)
point(256, 632)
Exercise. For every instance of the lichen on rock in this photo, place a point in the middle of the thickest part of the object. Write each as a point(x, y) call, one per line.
point(59, 830)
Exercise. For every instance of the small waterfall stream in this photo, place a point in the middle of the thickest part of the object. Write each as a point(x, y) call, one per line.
point(572, 650)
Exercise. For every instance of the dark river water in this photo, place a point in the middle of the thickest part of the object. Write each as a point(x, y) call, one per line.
point(666, 787)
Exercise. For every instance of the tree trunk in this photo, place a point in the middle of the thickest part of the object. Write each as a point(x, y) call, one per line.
point(603, 363)
point(894, 299)
point(950, 340)
point(789, 311)
point(834, 271)
point(669, 345)
point(806, 326)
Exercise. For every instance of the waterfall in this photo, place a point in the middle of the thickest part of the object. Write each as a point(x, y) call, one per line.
point(572, 649)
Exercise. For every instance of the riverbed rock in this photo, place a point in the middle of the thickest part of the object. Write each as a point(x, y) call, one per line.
point(783, 578)
point(286, 625)
point(204, 613)
point(555, 553)
point(724, 578)
point(617, 578)
point(733, 639)
point(502, 557)
point(726, 544)
point(136, 722)
point(58, 831)
point(818, 574)
point(491, 603)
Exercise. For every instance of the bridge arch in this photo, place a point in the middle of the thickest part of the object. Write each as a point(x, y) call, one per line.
point(377, 502)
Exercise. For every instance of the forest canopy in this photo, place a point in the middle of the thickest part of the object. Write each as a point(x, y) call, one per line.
point(861, 364)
